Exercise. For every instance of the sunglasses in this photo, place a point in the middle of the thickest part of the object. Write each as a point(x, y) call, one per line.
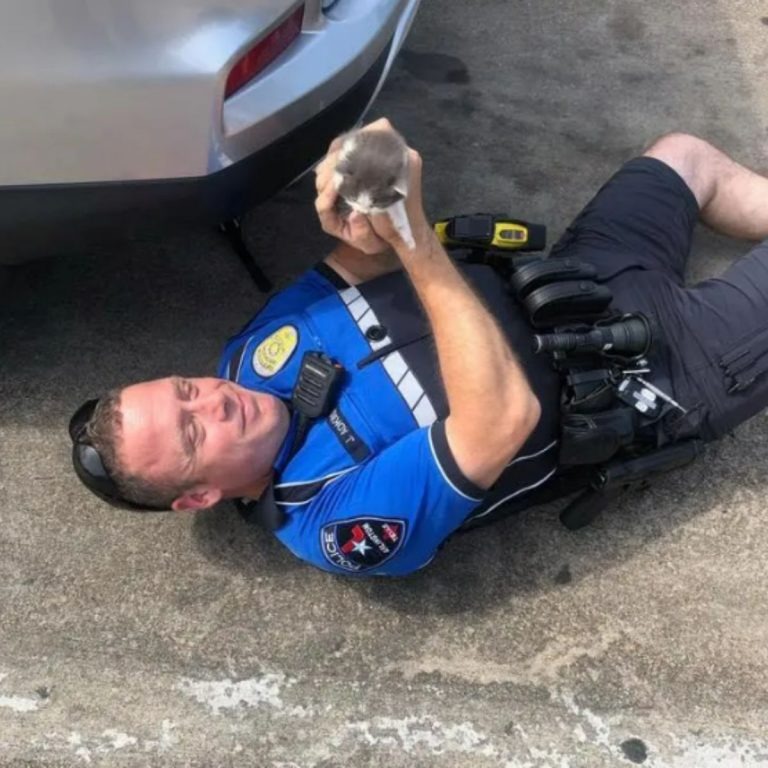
point(89, 466)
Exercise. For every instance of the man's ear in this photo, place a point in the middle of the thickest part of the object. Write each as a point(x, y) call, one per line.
point(197, 497)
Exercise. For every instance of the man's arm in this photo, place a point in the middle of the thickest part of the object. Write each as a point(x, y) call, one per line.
point(355, 266)
point(492, 407)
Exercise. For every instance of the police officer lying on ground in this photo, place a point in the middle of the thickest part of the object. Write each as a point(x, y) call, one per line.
point(443, 413)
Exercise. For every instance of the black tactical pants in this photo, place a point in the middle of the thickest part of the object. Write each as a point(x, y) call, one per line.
point(713, 336)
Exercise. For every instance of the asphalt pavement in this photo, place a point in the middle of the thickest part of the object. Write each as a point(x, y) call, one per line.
point(192, 640)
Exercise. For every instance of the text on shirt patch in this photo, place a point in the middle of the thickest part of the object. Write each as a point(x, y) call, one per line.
point(362, 543)
point(348, 438)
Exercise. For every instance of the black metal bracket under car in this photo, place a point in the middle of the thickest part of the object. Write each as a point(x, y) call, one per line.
point(232, 230)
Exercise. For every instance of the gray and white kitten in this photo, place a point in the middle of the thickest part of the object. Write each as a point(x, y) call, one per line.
point(372, 177)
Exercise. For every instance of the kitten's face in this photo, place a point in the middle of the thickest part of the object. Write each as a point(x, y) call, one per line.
point(371, 174)
point(367, 195)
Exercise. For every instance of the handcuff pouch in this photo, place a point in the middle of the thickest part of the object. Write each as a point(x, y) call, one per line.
point(528, 277)
point(592, 438)
point(567, 301)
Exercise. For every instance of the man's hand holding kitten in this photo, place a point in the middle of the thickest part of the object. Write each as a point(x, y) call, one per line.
point(372, 233)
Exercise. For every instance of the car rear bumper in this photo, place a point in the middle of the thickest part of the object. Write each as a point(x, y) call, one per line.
point(323, 63)
point(132, 90)
point(27, 212)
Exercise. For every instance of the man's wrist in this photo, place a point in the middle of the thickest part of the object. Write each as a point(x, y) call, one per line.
point(426, 245)
point(355, 266)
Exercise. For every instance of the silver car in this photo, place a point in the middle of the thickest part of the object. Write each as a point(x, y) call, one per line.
point(175, 110)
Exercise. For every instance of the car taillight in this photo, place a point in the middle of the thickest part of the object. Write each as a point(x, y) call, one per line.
point(264, 52)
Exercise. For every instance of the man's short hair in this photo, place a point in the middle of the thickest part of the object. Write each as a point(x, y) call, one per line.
point(104, 431)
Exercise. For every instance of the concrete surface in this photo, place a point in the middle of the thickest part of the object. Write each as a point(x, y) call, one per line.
point(192, 641)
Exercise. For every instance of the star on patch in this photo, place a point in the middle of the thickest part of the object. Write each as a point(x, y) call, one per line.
point(362, 543)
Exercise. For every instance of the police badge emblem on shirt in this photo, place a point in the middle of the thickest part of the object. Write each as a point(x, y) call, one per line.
point(275, 351)
point(362, 543)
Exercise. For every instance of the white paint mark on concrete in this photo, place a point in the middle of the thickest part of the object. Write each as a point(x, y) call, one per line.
point(546, 758)
point(19, 703)
point(219, 695)
point(118, 740)
point(167, 739)
point(720, 753)
point(300, 711)
point(112, 740)
point(410, 733)
point(600, 727)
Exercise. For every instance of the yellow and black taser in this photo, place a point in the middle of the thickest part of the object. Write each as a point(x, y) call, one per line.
point(488, 231)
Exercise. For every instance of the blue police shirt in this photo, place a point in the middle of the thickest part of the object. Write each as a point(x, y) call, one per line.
point(374, 488)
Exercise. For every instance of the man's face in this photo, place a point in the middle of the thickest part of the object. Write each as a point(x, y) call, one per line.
point(215, 436)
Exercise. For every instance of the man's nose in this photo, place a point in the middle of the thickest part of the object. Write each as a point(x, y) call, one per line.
point(216, 405)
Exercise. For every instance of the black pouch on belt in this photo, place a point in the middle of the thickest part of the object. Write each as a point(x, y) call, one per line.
point(591, 438)
point(528, 277)
point(560, 290)
point(567, 302)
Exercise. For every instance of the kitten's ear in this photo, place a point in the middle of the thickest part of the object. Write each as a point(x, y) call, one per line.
point(344, 166)
point(401, 181)
point(348, 145)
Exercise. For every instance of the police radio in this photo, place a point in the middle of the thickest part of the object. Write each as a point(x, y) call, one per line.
point(314, 394)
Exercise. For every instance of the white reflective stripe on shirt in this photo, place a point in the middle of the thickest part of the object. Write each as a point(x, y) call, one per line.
point(516, 493)
point(330, 476)
point(532, 455)
point(444, 473)
point(330, 479)
point(397, 369)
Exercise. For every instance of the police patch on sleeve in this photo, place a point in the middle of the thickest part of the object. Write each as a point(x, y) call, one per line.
point(275, 351)
point(362, 543)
